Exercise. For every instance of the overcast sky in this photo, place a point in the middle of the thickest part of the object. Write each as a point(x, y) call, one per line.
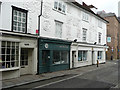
point(106, 5)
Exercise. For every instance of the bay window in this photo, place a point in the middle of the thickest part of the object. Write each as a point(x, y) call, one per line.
point(10, 54)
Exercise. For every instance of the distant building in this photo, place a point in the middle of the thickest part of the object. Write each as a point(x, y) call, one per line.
point(112, 34)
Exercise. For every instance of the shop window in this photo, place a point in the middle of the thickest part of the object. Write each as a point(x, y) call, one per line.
point(82, 55)
point(60, 57)
point(59, 6)
point(24, 57)
point(99, 54)
point(19, 21)
point(10, 54)
point(58, 29)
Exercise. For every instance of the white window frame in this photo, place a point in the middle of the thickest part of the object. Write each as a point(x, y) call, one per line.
point(16, 55)
point(99, 23)
point(58, 29)
point(84, 35)
point(99, 55)
point(99, 37)
point(85, 17)
point(19, 20)
point(82, 55)
point(63, 6)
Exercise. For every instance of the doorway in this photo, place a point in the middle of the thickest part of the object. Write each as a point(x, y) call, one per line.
point(73, 58)
point(26, 61)
point(92, 57)
point(45, 61)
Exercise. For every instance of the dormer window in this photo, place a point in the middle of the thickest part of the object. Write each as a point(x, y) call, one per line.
point(60, 6)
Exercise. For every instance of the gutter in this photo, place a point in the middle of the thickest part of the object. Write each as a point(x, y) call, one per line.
point(38, 36)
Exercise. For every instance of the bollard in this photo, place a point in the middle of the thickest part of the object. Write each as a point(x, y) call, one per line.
point(97, 63)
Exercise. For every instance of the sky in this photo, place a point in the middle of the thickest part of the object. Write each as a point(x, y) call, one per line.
point(106, 5)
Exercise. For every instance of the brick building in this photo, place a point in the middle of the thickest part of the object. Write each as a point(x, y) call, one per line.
point(112, 35)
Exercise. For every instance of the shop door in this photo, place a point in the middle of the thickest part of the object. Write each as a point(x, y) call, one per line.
point(26, 61)
point(45, 61)
point(73, 58)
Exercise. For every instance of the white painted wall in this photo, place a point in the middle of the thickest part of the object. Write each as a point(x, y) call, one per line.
point(72, 23)
point(33, 8)
point(72, 20)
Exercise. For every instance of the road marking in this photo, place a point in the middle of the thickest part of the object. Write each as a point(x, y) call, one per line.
point(57, 81)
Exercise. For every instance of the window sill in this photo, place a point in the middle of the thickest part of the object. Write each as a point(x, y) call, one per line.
point(83, 61)
point(9, 69)
point(85, 21)
point(59, 11)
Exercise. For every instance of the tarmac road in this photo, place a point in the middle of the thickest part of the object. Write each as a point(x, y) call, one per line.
point(106, 77)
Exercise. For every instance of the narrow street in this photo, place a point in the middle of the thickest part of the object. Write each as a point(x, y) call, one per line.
point(106, 77)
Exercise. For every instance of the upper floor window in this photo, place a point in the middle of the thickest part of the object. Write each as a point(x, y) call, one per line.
point(19, 20)
point(58, 29)
point(99, 24)
point(85, 17)
point(60, 6)
point(84, 34)
point(99, 37)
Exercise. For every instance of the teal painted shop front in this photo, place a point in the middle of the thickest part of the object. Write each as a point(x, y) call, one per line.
point(54, 55)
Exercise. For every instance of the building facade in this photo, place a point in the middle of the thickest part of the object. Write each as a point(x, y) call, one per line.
point(112, 35)
point(75, 22)
point(18, 42)
point(69, 35)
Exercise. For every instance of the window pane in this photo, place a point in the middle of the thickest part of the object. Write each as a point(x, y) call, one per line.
point(15, 12)
point(3, 50)
point(60, 6)
point(3, 43)
point(55, 5)
point(64, 57)
point(3, 57)
point(56, 57)
point(84, 55)
point(15, 18)
point(7, 64)
point(80, 56)
point(64, 8)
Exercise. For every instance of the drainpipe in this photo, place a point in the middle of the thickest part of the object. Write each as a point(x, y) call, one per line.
point(39, 18)
point(38, 36)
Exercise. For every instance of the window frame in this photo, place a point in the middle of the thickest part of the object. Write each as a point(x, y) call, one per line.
point(100, 55)
point(60, 53)
point(21, 10)
point(99, 37)
point(85, 16)
point(56, 28)
point(13, 54)
point(84, 35)
point(63, 6)
point(82, 60)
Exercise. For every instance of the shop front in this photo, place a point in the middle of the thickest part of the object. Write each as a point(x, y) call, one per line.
point(18, 55)
point(86, 54)
point(54, 55)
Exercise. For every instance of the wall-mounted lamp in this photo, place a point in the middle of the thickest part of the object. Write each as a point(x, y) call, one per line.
point(75, 40)
point(104, 44)
point(95, 43)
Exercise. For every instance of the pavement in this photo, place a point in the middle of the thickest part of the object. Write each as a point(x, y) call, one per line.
point(26, 79)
